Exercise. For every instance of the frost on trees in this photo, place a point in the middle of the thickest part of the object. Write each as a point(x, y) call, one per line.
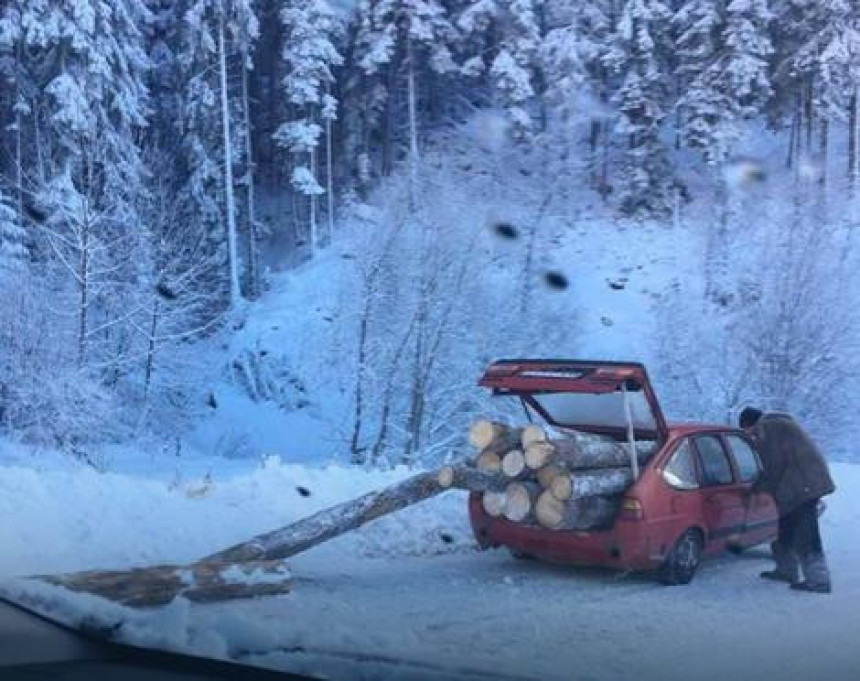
point(309, 54)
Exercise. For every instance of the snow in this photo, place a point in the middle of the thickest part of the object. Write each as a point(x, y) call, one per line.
point(399, 598)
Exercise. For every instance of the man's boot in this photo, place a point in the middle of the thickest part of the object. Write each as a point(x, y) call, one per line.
point(787, 569)
point(815, 573)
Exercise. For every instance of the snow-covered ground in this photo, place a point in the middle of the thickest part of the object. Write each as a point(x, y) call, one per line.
point(409, 597)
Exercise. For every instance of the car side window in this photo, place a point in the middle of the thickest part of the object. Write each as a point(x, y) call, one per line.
point(745, 458)
point(716, 469)
point(680, 471)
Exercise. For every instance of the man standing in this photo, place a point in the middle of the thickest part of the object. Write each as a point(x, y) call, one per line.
point(796, 476)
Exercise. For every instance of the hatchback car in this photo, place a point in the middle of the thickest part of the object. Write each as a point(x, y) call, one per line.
point(693, 494)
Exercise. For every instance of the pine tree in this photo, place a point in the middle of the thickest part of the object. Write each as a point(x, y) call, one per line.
point(508, 35)
point(216, 29)
point(638, 58)
point(392, 33)
point(723, 71)
point(310, 55)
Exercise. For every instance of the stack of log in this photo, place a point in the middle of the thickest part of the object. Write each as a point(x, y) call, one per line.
point(569, 483)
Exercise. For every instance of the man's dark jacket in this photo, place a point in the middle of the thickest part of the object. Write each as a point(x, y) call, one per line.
point(795, 471)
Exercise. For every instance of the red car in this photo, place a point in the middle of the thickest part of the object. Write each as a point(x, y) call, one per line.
point(692, 497)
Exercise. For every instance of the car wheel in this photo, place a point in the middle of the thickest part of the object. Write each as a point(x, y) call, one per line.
point(683, 561)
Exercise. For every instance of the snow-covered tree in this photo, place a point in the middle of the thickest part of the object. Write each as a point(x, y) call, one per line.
point(509, 47)
point(638, 58)
point(723, 71)
point(13, 248)
point(401, 35)
point(310, 55)
point(216, 30)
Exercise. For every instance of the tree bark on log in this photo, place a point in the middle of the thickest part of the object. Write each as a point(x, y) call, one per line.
point(160, 584)
point(591, 483)
point(584, 455)
point(254, 567)
point(577, 514)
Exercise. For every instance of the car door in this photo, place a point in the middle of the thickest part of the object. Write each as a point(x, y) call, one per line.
point(723, 499)
point(761, 515)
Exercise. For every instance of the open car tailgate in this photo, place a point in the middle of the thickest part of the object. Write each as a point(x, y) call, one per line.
point(582, 395)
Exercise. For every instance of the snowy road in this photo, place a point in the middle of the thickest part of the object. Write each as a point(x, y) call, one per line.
point(393, 601)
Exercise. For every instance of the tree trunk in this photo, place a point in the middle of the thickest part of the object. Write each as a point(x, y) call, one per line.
point(84, 286)
point(852, 141)
point(251, 231)
point(335, 521)
point(822, 146)
point(313, 205)
point(253, 567)
point(413, 121)
point(593, 483)
point(329, 174)
point(500, 438)
point(577, 514)
point(150, 350)
point(514, 464)
point(584, 454)
point(520, 501)
point(230, 202)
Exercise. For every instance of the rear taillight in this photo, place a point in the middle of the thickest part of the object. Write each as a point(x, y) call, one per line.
point(631, 509)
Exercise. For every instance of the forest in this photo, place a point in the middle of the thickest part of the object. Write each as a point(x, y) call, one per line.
point(163, 162)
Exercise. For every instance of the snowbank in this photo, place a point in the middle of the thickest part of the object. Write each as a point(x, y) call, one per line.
point(60, 520)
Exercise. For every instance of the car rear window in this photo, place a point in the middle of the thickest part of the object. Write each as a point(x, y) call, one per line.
point(745, 458)
point(716, 469)
point(680, 472)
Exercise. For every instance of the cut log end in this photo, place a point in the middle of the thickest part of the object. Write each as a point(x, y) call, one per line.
point(520, 498)
point(539, 454)
point(489, 461)
point(532, 434)
point(549, 511)
point(483, 433)
point(514, 463)
point(546, 474)
point(493, 503)
point(446, 476)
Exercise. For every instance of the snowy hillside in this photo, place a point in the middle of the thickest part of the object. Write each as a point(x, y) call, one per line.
point(401, 596)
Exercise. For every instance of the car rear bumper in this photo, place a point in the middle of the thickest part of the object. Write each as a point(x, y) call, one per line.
point(625, 546)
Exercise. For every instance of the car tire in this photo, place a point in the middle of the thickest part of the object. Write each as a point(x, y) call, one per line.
point(683, 560)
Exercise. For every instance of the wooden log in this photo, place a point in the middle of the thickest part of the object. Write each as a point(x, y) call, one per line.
point(520, 500)
point(539, 454)
point(514, 464)
point(493, 503)
point(200, 582)
point(531, 434)
point(488, 460)
point(253, 567)
point(585, 455)
point(335, 521)
point(546, 474)
point(592, 483)
point(471, 479)
point(577, 514)
point(484, 434)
